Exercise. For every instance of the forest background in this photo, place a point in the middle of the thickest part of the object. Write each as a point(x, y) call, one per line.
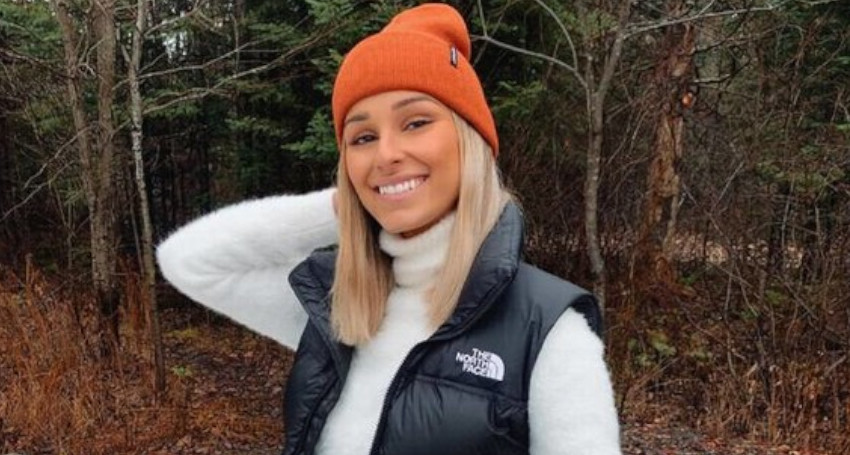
point(689, 160)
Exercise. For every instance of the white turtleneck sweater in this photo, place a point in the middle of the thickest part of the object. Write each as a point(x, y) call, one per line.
point(236, 261)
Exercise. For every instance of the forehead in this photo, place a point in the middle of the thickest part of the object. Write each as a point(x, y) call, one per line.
point(389, 100)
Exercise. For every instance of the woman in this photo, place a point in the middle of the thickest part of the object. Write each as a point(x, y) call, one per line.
point(423, 332)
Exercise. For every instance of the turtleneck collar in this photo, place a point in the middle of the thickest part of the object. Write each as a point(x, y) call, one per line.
point(417, 260)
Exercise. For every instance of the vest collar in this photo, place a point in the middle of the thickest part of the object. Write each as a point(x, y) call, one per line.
point(311, 280)
point(493, 269)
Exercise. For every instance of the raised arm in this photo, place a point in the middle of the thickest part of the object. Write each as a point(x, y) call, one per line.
point(236, 260)
point(571, 404)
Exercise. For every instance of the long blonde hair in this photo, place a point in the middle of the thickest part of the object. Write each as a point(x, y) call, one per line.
point(364, 277)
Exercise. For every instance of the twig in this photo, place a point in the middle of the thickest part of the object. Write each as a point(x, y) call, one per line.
point(169, 22)
point(37, 189)
point(534, 54)
point(698, 17)
point(563, 30)
point(198, 67)
point(199, 93)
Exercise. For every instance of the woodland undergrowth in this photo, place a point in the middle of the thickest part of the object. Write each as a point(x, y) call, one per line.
point(712, 352)
point(60, 394)
point(736, 353)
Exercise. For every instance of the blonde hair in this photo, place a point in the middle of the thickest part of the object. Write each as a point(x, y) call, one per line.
point(364, 277)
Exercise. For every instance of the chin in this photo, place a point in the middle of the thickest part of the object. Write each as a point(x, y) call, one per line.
point(410, 222)
point(412, 229)
point(400, 227)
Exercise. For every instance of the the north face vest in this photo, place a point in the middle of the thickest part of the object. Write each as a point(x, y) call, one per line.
point(462, 391)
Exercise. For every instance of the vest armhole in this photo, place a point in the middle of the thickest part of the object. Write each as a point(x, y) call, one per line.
point(587, 306)
point(569, 295)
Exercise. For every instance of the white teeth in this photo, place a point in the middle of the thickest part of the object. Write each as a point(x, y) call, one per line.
point(402, 187)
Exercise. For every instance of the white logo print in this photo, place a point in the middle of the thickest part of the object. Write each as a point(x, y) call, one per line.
point(482, 363)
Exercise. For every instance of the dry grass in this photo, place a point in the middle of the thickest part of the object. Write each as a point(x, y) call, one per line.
point(58, 395)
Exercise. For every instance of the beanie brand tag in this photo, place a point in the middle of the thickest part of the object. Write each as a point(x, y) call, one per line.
point(453, 56)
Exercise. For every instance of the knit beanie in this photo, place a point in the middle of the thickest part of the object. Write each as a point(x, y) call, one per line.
point(424, 49)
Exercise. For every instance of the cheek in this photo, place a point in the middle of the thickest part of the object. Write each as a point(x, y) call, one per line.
point(356, 170)
point(358, 173)
point(453, 169)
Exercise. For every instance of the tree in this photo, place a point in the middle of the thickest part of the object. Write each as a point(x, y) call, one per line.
point(674, 93)
point(40, 196)
point(137, 141)
point(595, 79)
point(95, 143)
point(604, 29)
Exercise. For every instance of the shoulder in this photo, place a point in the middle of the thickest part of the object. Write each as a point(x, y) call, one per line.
point(544, 293)
point(316, 271)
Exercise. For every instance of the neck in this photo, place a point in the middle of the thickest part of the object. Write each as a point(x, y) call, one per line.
point(417, 260)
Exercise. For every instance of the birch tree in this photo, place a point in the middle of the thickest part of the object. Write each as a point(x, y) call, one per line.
point(137, 141)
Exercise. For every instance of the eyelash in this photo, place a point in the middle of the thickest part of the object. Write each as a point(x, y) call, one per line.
point(360, 140)
point(418, 122)
point(412, 125)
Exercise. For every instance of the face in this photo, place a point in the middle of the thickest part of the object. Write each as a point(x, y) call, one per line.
point(402, 156)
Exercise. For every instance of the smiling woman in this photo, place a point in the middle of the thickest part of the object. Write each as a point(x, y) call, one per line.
point(422, 331)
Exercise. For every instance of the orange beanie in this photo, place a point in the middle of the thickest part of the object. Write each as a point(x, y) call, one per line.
point(424, 49)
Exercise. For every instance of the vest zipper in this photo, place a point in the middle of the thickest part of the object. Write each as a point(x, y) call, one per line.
point(415, 352)
point(382, 421)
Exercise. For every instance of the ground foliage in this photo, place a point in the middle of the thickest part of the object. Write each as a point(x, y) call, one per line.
point(225, 387)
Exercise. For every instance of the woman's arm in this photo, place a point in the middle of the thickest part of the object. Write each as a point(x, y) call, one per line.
point(571, 404)
point(236, 260)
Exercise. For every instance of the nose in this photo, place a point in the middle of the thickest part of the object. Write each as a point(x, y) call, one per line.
point(389, 153)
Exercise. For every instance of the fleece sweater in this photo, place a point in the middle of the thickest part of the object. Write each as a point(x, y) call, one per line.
point(236, 261)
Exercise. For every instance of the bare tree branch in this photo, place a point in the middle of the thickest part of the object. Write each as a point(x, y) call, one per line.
point(198, 67)
point(189, 95)
point(616, 50)
point(563, 30)
point(637, 29)
point(198, 93)
point(38, 173)
point(818, 2)
point(196, 6)
point(571, 69)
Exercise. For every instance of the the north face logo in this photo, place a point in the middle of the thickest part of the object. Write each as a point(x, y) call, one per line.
point(482, 363)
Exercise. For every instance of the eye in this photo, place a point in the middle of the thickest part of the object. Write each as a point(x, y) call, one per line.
point(361, 139)
point(415, 124)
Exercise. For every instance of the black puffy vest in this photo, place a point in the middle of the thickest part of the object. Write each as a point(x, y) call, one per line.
point(462, 391)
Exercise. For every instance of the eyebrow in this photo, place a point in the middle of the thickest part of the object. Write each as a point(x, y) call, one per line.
point(396, 106)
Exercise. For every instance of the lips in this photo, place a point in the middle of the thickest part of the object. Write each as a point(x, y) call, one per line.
point(400, 187)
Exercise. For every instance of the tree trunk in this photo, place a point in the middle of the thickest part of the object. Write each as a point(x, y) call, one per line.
point(596, 94)
point(137, 136)
point(8, 222)
point(673, 81)
point(591, 197)
point(103, 219)
point(97, 165)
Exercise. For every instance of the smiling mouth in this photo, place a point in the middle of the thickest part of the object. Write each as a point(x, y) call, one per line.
point(401, 187)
